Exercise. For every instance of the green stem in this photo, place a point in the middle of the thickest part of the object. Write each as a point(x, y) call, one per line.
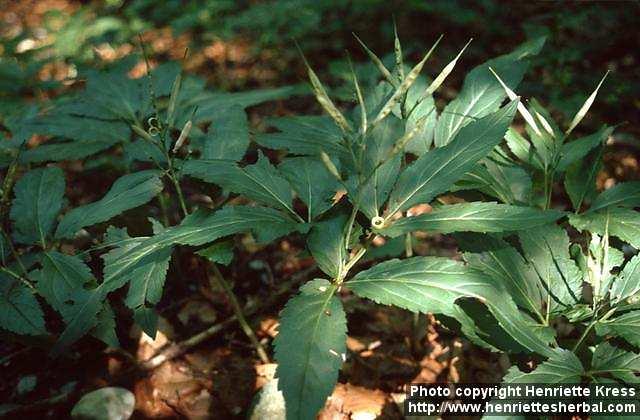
point(237, 309)
point(17, 276)
point(590, 326)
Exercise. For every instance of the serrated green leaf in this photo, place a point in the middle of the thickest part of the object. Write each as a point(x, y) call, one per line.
point(434, 284)
point(481, 93)
point(200, 228)
point(627, 283)
point(326, 243)
point(261, 181)
point(314, 324)
point(129, 191)
point(562, 367)
point(620, 222)
point(147, 282)
point(434, 172)
point(523, 149)
point(197, 229)
point(63, 281)
point(38, 201)
point(505, 266)
point(577, 149)
point(308, 135)
point(474, 217)
point(625, 194)
point(219, 252)
point(547, 249)
point(507, 182)
point(615, 361)
point(312, 182)
point(105, 329)
point(80, 318)
point(69, 150)
point(228, 135)
point(625, 326)
point(20, 311)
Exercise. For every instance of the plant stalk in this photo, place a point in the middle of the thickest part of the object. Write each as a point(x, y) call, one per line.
point(239, 314)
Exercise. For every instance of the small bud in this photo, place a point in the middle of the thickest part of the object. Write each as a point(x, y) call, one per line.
point(521, 108)
point(585, 107)
point(445, 72)
point(175, 90)
point(545, 124)
point(139, 131)
point(183, 136)
point(377, 222)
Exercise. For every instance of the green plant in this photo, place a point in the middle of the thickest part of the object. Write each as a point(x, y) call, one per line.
point(521, 273)
point(131, 124)
point(345, 179)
